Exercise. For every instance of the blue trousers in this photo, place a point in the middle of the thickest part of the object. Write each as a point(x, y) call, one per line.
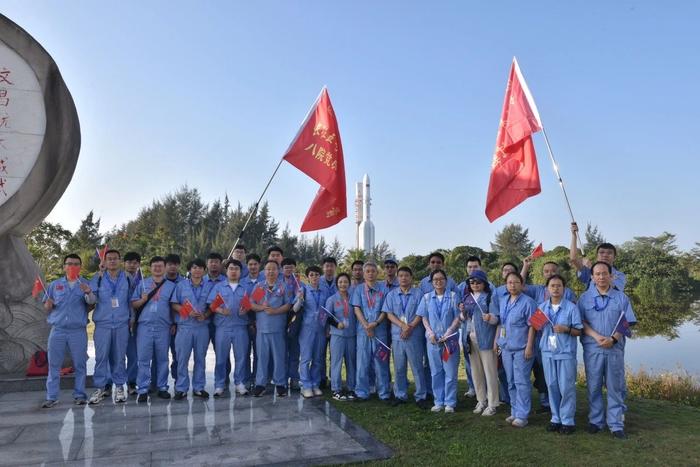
point(366, 347)
point(343, 349)
point(271, 348)
point(110, 351)
point(444, 376)
point(236, 337)
point(408, 352)
point(519, 387)
point(312, 342)
point(606, 369)
point(132, 362)
point(188, 340)
point(152, 341)
point(561, 386)
point(76, 341)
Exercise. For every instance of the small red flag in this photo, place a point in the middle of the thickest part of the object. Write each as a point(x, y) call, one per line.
point(317, 151)
point(538, 319)
point(514, 173)
point(245, 302)
point(186, 309)
point(445, 353)
point(258, 294)
point(73, 272)
point(216, 303)
point(101, 253)
point(537, 252)
point(38, 287)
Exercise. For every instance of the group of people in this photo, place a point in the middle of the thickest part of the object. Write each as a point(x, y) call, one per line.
point(281, 328)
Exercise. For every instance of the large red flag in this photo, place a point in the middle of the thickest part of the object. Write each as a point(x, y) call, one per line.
point(537, 252)
point(514, 174)
point(317, 151)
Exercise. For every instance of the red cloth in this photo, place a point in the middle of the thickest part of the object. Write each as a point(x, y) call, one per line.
point(216, 303)
point(186, 309)
point(514, 173)
point(318, 152)
point(38, 287)
point(537, 252)
point(245, 302)
point(258, 294)
point(538, 319)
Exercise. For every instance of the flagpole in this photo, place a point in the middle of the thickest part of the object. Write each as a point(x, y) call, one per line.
point(561, 185)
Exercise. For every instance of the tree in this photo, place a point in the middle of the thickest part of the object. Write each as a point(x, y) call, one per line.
point(512, 244)
point(353, 254)
point(88, 236)
point(593, 237)
point(47, 244)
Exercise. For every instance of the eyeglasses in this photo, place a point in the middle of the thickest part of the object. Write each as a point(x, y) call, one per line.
point(69, 263)
point(439, 279)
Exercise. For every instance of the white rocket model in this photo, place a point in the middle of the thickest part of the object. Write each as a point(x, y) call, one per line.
point(366, 227)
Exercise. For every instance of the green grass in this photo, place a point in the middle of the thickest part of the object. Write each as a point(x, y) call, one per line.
point(660, 433)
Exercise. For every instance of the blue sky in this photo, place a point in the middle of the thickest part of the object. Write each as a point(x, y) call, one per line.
point(210, 94)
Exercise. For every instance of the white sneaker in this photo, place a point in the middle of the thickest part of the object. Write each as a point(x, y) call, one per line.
point(488, 412)
point(437, 408)
point(240, 390)
point(97, 396)
point(449, 409)
point(519, 423)
point(470, 393)
point(510, 419)
point(120, 396)
point(479, 407)
point(317, 392)
point(307, 393)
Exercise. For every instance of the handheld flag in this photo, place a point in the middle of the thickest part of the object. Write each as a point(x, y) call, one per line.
point(216, 303)
point(623, 326)
point(537, 252)
point(317, 151)
point(101, 253)
point(324, 314)
point(514, 173)
point(138, 277)
point(258, 294)
point(450, 346)
point(186, 309)
point(539, 319)
point(38, 287)
point(245, 302)
point(382, 352)
point(73, 271)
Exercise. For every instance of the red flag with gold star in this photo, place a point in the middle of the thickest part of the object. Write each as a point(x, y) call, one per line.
point(514, 173)
point(317, 151)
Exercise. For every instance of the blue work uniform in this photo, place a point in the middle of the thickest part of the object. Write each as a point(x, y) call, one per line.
point(248, 283)
point(500, 293)
point(370, 302)
point(293, 329)
point(111, 336)
point(231, 331)
point(312, 337)
point(192, 335)
point(173, 353)
point(619, 279)
point(68, 321)
point(153, 333)
point(440, 312)
point(343, 342)
point(411, 350)
point(514, 327)
point(539, 293)
point(426, 286)
point(605, 366)
point(328, 286)
point(559, 359)
point(270, 339)
point(330, 289)
point(132, 362)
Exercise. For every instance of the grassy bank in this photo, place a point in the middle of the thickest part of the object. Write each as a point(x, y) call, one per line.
point(660, 433)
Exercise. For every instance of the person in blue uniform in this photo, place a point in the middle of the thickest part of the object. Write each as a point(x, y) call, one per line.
point(391, 280)
point(312, 337)
point(172, 274)
point(66, 303)
point(329, 265)
point(439, 310)
point(605, 252)
point(154, 321)
point(231, 330)
point(239, 254)
point(473, 263)
point(111, 318)
point(356, 275)
point(603, 310)
point(500, 293)
point(558, 346)
point(367, 302)
point(271, 325)
point(343, 340)
point(480, 318)
point(214, 275)
point(249, 282)
point(294, 319)
point(132, 266)
point(192, 331)
point(408, 342)
point(517, 343)
point(436, 261)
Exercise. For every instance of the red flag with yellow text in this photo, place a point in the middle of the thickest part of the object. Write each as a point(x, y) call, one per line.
point(514, 173)
point(317, 151)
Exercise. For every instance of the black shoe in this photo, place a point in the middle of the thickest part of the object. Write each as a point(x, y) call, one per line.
point(361, 399)
point(201, 394)
point(164, 394)
point(324, 384)
point(543, 409)
point(108, 391)
point(132, 389)
point(423, 404)
point(179, 395)
point(258, 391)
point(281, 391)
point(397, 402)
point(553, 427)
point(567, 429)
point(593, 429)
point(143, 398)
point(619, 434)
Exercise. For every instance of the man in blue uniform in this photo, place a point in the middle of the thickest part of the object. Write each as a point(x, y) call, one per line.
point(132, 267)
point(605, 252)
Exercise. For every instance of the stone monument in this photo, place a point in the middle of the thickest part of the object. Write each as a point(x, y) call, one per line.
point(39, 146)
